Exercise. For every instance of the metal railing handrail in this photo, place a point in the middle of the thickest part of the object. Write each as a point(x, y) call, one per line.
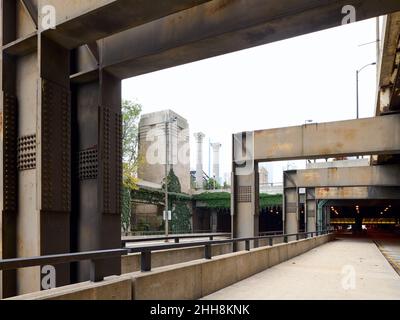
point(176, 238)
point(159, 247)
point(100, 255)
point(265, 233)
point(145, 259)
point(54, 259)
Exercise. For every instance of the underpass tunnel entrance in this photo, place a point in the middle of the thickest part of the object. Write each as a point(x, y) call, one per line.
point(362, 216)
point(270, 219)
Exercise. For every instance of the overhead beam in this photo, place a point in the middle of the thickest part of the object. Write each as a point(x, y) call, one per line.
point(80, 22)
point(378, 135)
point(350, 193)
point(32, 10)
point(385, 175)
point(220, 26)
point(389, 83)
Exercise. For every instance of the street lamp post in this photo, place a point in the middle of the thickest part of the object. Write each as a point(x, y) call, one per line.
point(168, 121)
point(357, 90)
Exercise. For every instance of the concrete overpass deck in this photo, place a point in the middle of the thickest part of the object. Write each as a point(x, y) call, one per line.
point(347, 268)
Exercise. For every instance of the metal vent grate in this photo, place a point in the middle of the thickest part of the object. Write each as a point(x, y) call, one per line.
point(26, 152)
point(88, 164)
point(244, 194)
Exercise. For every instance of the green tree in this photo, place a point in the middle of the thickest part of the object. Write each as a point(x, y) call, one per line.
point(181, 216)
point(130, 157)
point(212, 184)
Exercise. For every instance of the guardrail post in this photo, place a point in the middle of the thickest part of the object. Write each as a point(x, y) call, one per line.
point(271, 241)
point(256, 243)
point(95, 271)
point(176, 240)
point(285, 239)
point(247, 245)
point(145, 261)
point(207, 251)
point(234, 246)
point(297, 237)
point(211, 238)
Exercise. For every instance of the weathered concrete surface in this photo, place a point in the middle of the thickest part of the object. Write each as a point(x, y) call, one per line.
point(131, 262)
point(331, 139)
point(188, 280)
point(317, 274)
point(196, 279)
point(112, 288)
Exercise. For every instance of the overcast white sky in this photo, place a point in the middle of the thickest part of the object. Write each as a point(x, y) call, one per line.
point(275, 85)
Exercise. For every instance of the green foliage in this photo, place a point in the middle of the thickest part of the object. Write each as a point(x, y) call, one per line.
point(173, 182)
point(130, 123)
point(212, 184)
point(153, 196)
point(214, 199)
point(181, 215)
point(130, 128)
point(126, 209)
point(222, 200)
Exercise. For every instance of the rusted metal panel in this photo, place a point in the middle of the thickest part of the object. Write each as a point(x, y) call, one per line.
point(383, 175)
point(80, 22)
point(371, 192)
point(220, 27)
point(379, 135)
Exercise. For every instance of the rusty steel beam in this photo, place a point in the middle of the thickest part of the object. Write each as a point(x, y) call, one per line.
point(378, 135)
point(389, 83)
point(80, 22)
point(220, 26)
point(385, 175)
point(32, 10)
point(370, 192)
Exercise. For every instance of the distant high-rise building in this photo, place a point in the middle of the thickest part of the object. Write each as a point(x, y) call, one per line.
point(152, 147)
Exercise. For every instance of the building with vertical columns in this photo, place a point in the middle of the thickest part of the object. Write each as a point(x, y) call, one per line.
point(199, 136)
point(216, 147)
point(152, 147)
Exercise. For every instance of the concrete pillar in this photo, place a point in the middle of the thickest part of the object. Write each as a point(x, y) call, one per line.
point(245, 189)
point(216, 148)
point(97, 181)
point(290, 214)
point(214, 221)
point(310, 210)
point(199, 136)
point(36, 157)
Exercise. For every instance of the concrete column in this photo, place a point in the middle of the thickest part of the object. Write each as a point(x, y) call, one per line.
point(36, 157)
point(290, 214)
point(245, 189)
point(216, 148)
point(96, 195)
point(199, 136)
point(214, 221)
point(310, 210)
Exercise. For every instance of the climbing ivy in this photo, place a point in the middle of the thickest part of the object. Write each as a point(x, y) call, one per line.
point(126, 209)
point(181, 216)
point(222, 200)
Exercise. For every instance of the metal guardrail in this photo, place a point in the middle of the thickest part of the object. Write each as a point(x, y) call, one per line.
point(145, 259)
point(97, 257)
point(94, 256)
point(162, 232)
point(272, 233)
point(176, 238)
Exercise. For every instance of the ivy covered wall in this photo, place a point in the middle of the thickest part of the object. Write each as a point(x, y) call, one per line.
point(222, 200)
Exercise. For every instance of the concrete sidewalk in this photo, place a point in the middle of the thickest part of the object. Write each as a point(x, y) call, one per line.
point(342, 269)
